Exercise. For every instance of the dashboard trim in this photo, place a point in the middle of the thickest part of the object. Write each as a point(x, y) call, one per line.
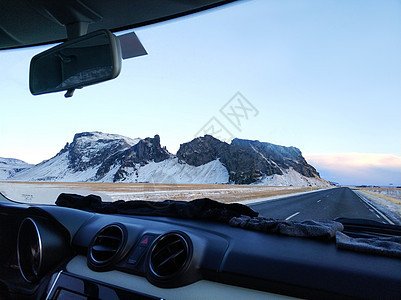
point(202, 289)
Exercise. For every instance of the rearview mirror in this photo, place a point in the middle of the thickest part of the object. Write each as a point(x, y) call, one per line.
point(86, 60)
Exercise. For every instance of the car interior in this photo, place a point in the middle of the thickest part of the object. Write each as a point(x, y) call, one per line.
point(195, 250)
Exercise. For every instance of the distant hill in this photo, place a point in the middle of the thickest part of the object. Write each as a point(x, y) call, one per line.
point(11, 166)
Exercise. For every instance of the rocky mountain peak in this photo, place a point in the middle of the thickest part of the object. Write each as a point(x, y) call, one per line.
point(146, 150)
point(90, 149)
point(149, 149)
point(247, 161)
point(201, 150)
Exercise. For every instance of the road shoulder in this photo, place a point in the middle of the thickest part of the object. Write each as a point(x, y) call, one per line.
point(262, 200)
point(390, 209)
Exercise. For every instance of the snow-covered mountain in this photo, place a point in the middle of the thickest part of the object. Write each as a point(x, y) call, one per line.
point(253, 162)
point(11, 166)
point(100, 157)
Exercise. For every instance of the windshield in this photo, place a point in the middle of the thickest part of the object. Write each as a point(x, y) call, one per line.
point(249, 102)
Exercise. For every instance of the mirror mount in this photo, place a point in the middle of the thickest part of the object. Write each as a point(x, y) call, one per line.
point(69, 93)
point(75, 30)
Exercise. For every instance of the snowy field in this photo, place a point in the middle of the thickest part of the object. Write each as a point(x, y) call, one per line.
point(47, 192)
point(390, 192)
point(389, 198)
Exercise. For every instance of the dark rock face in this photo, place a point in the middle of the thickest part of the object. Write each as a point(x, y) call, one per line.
point(90, 149)
point(272, 159)
point(202, 150)
point(246, 161)
point(149, 149)
point(144, 151)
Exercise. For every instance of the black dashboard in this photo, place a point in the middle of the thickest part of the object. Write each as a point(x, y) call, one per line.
point(51, 252)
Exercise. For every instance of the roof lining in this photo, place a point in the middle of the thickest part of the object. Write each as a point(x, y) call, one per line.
point(116, 29)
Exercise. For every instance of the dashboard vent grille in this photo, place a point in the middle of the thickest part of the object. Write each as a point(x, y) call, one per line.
point(106, 245)
point(169, 255)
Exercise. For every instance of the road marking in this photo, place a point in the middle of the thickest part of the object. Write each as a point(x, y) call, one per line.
point(374, 208)
point(293, 215)
point(318, 201)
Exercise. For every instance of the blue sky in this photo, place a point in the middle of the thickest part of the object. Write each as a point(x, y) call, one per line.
point(324, 76)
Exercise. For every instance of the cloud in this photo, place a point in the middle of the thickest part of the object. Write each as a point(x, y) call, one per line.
point(358, 168)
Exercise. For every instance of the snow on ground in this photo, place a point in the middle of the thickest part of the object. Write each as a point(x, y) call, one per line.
point(55, 169)
point(172, 171)
point(391, 192)
point(291, 177)
point(45, 171)
point(393, 208)
point(47, 192)
point(41, 193)
point(190, 194)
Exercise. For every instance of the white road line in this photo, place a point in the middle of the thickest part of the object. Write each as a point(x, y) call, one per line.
point(293, 215)
point(375, 209)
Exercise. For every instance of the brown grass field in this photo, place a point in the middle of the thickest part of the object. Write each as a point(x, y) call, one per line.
point(159, 192)
point(390, 194)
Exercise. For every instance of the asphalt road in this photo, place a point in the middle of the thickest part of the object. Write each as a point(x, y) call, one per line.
point(326, 204)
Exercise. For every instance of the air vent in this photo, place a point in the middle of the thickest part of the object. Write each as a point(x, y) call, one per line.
point(169, 256)
point(106, 246)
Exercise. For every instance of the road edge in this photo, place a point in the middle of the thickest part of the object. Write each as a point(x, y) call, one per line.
point(273, 198)
point(382, 211)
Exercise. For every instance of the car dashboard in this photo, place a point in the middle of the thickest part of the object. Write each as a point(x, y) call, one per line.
point(52, 252)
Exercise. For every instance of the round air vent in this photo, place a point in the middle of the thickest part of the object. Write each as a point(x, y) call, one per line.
point(41, 246)
point(106, 247)
point(170, 260)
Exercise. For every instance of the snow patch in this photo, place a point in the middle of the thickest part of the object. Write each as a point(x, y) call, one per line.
point(95, 136)
point(167, 171)
point(172, 171)
point(291, 177)
point(55, 170)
